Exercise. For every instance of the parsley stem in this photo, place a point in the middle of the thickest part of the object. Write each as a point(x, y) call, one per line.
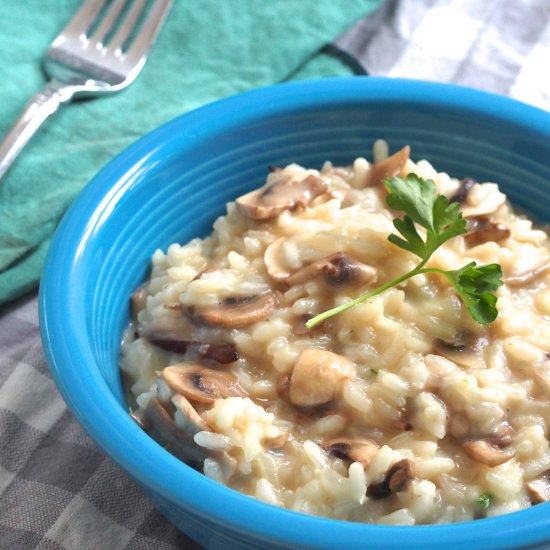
point(364, 297)
point(442, 220)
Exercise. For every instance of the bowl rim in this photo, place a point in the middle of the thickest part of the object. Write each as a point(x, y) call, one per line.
point(110, 426)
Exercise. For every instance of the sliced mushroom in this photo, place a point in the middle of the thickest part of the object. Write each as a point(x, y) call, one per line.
point(298, 325)
point(490, 232)
point(192, 419)
point(355, 450)
point(483, 452)
point(273, 260)
point(397, 479)
point(527, 277)
point(283, 386)
point(160, 425)
point(388, 168)
point(337, 269)
point(201, 384)
point(221, 353)
point(173, 327)
point(282, 193)
point(461, 353)
point(463, 430)
point(318, 377)
point(502, 436)
point(237, 312)
point(401, 475)
point(138, 300)
point(473, 224)
point(482, 200)
point(404, 423)
point(539, 489)
point(461, 193)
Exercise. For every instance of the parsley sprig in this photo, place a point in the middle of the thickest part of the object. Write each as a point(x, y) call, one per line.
point(442, 220)
point(484, 501)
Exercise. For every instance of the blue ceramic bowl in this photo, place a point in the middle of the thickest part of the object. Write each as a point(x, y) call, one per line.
point(171, 185)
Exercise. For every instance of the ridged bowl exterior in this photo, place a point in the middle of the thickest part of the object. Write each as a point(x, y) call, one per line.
point(172, 184)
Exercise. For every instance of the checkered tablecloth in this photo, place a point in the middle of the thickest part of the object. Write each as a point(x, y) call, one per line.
point(58, 491)
point(500, 46)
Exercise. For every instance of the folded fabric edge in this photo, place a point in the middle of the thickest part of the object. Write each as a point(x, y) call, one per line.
point(24, 276)
point(345, 57)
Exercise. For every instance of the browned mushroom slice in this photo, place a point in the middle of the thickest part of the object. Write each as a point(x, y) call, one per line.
point(355, 450)
point(539, 489)
point(283, 386)
point(482, 200)
point(397, 479)
point(473, 223)
point(483, 452)
point(160, 425)
point(282, 193)
point(193, 420)
point(460, 353)
point(138, 300)
point(201, 384)
point(221, 353)
point(401, 475)
point(502, 435)
point(273, 260)
point(388, 168)
point(526, 278)
point(298, 325)
point(491, 232)
point(461, 193)
point(237, 312)
point(403, 423)
point(318, 377)
point(337, 269)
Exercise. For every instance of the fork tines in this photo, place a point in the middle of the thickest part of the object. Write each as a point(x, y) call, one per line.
point(120, 27)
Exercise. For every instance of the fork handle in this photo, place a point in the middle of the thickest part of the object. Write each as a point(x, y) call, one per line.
point(36, 111)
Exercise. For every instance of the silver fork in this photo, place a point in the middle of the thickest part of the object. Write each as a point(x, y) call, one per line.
point(102, 49)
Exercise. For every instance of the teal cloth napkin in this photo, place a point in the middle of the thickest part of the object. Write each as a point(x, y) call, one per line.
point(208, 49)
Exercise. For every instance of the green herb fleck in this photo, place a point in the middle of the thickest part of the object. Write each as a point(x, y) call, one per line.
point(374, 371)
point(442, 220)
point(484, 501)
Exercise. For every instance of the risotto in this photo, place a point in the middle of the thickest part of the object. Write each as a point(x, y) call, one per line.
point(402, 410)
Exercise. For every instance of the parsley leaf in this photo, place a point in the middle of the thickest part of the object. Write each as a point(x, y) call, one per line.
point(417, 198)
point(475, 285)
point(484, 501)
point(442, 220)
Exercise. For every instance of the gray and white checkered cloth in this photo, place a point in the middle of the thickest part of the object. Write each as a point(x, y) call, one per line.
point(500, 46)
point(57, 490)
